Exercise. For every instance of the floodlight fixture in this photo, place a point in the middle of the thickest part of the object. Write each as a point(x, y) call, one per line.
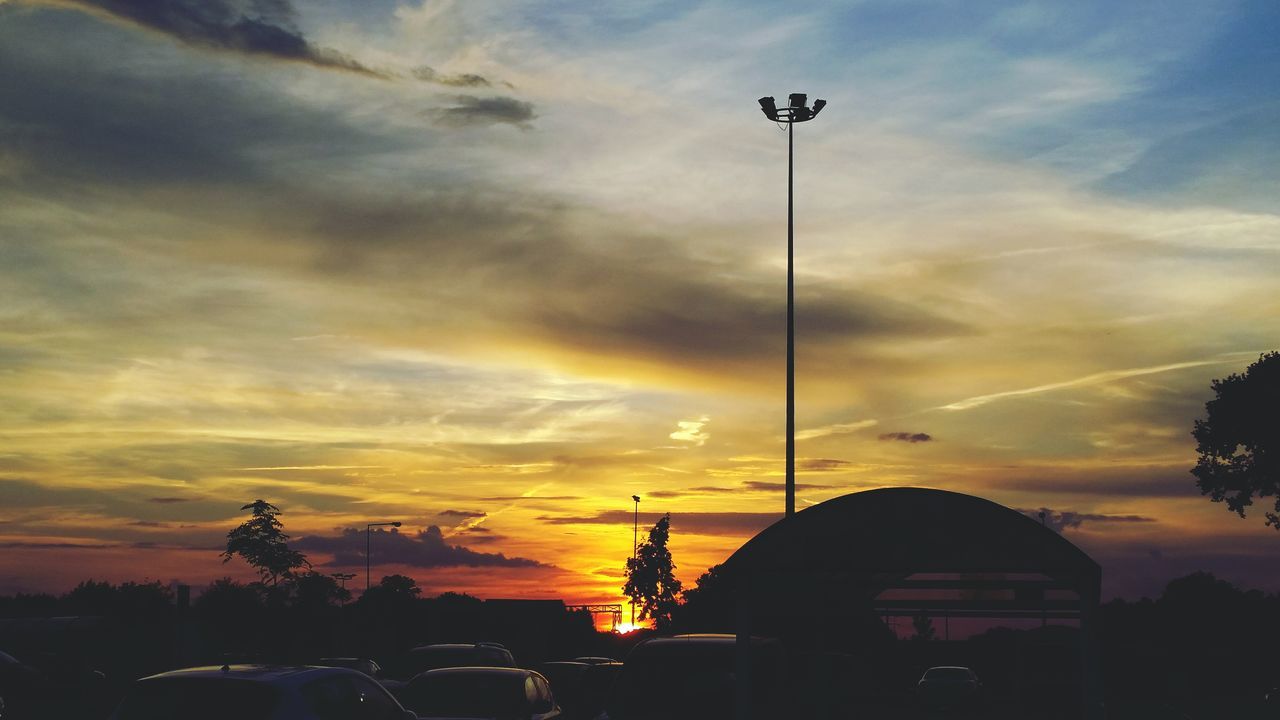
point(798, 100)
point(770, 109)
point(818, 105)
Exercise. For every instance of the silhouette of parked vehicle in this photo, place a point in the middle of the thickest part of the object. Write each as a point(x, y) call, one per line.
point(260, 692)
point(487, 693)
point(364, 665)
point(581, 688)
point(443, 655)
point(595, 660)
point(949, 686)
point(694, 676)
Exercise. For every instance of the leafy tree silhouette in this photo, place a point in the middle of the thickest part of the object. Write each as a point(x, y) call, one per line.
point(651, 581)
point(392, 591)
point(262, 542)
point(923, 627)
point(709, 605)
point(317, 591)
point(1239, 441)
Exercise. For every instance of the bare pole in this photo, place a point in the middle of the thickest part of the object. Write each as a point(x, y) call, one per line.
point(791, 326)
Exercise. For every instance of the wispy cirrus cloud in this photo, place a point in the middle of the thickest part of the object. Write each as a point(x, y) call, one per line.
point(1099, 378)
point(836, 429)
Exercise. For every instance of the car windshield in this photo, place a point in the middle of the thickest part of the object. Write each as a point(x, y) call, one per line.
point(948, 674)
point(432, 658)
point(459, 695)
point(198, 699)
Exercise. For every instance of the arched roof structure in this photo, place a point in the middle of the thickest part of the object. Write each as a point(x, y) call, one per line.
point(894, 532)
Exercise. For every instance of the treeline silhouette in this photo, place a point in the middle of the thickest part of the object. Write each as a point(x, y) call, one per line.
point(1203, 646)
point(132, 630)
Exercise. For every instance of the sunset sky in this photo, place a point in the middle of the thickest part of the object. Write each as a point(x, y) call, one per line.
point(492, 268)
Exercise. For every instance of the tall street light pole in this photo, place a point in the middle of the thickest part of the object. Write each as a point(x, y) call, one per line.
point(368, 543)
point(795, 112)
point(635, 548)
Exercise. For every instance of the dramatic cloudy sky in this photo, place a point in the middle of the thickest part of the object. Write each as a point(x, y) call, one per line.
point(491, 268)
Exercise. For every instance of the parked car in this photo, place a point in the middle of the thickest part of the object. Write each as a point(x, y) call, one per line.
point(566, 679)
point(443, 655)
point(481, 692)
point(446, 655)
point(259, 692)
point(949, 686)
point(364, 665)
point(695, 676)
point(24, 690)
point(595, 660)
point(597, 681)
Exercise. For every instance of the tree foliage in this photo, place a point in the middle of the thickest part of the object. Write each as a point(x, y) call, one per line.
point(262, 542)
point(923, 626)
point(1239, 441)
point(651, 581)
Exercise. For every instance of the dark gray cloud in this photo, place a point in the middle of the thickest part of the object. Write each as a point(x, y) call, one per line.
point(469, 110)
point(907, 437)
point(107, 125)
point(462, 514)
point(424, 549)
point(180, 131)
point(265, 28)
point(694, 523)
point(1139, 482)
point(1061, 520)
point(431, 75)
point(821, 465)
point(169, 500)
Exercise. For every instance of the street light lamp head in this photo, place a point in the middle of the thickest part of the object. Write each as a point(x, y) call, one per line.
point(636, 498)
point(818, 105)
point(395, 524)
point(798, 100)
point(770, 109)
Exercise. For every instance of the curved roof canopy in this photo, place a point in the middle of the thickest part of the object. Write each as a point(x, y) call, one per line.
point(899, 531)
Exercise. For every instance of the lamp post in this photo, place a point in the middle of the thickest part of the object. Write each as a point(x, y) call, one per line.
point(635, 548)
point(795, 112)
point(368, 536)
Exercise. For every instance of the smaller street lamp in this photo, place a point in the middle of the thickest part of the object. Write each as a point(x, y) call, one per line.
point(368, 535)
point(635, 548)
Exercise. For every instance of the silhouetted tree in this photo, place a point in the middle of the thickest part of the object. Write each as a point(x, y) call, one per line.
point(316, 591)
point(262, 543)
point(392, 590)
point(651, 581)
point(709, 605)
point(1239, 441)
point(150, 600)
point(90, 597)
point(227, 598)
point(923, 627)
